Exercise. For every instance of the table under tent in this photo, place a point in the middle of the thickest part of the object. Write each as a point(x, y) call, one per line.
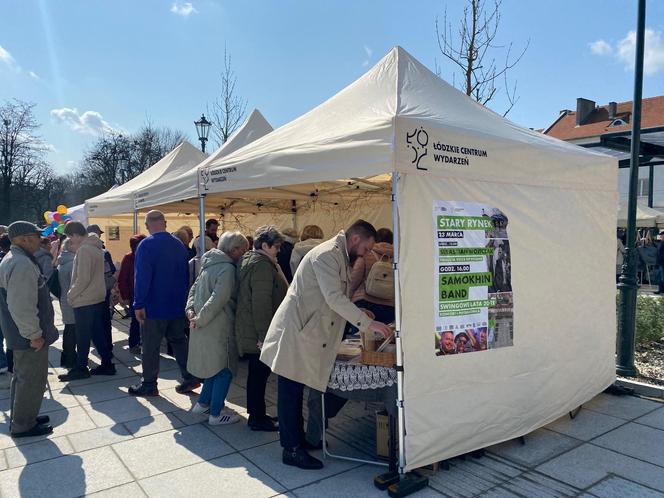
point(121, 206)
point(488, 219)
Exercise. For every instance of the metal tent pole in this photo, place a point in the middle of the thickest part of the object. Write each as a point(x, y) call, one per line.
point(201, 223)
point(397, 323)
point(135, 221)
point(628, 284)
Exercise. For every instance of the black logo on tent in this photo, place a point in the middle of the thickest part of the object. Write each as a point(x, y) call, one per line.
point(418, 141)
point(205, 176)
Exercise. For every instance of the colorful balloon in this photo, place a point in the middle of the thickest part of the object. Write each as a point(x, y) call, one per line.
point(54, 224)
point(56, 217)
point(47, 231)
point(46, 216)
point(60, 229)
point(61, 209)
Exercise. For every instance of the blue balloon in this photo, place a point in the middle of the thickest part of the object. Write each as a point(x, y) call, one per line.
point(47, 231)
point(54, 224)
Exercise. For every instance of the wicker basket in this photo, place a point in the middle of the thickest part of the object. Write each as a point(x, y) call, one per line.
point(380, 359)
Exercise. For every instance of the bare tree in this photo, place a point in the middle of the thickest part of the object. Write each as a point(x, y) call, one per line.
point(21, 154)
point(228, 110)
point(472, 50)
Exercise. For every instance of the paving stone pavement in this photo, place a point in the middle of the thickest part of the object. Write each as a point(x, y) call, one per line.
point(107, 444)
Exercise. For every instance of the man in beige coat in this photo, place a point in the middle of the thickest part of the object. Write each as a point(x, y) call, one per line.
point(87, 297)
point(305, 334)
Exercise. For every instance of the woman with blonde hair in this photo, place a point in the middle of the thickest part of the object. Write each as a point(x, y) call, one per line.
point(312, 235)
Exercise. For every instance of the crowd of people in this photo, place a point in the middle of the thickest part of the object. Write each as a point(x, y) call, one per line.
point(280, 301)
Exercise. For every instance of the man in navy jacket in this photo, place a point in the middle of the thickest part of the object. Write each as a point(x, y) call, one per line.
point(161, 284)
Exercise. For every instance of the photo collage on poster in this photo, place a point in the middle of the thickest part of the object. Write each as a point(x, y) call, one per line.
point(473, 278)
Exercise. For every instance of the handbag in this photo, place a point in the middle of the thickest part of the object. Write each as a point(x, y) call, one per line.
point(54, 283)
point(380, 280)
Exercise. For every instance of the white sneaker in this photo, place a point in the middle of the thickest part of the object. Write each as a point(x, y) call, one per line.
point(200, 409)
point(225, 417)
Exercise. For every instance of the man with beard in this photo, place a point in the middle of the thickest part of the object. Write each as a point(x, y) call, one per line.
point(303, 339)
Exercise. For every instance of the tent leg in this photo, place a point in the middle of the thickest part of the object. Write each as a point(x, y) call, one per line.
point(201, 223)
point(135, 221)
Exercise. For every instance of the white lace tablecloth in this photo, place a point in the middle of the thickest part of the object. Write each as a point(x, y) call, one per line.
point(356, 376)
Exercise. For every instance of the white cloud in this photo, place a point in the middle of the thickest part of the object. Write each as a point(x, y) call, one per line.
point(184, 9)
point(625, 50)
point(7, 59)
point(88, 123)
point(600, 47)
point(50, 148)
point(369, 52)
point(33, 75)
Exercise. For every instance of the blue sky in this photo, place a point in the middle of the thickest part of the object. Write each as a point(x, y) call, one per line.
point(100, 65)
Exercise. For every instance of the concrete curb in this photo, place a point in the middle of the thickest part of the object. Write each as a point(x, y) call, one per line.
point(641, 388)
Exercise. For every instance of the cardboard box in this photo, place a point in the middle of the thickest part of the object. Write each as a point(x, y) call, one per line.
point(382, 434)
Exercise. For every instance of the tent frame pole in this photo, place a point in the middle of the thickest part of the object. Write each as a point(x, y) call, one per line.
point(397, 322)
point(201, 225)
point(135, 221)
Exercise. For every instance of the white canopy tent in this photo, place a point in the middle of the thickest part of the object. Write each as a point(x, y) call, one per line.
point(120, 199)
point(400, 139)
point(173, 190)
point(646, 217)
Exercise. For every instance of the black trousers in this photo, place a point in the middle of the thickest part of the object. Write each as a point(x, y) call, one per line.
point(90, 326)
point(259, 372)
point(289, 407)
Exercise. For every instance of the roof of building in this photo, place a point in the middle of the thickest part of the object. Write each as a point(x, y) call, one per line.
point(598, 121)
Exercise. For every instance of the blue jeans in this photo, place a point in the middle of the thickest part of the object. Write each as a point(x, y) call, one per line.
point(215, 390)
point(3, 356)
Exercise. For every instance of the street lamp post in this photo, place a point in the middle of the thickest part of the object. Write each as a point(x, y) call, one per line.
point(203, 130)
point(628, 284)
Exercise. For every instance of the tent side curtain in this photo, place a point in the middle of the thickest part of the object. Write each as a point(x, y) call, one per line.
point(553, 361)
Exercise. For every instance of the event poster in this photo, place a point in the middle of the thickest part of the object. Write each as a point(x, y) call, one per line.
point(473, 278)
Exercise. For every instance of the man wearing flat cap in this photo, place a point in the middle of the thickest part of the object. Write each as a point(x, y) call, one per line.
point(26, 317)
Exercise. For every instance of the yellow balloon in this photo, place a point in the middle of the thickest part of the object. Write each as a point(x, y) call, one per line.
point(46, 213)
point(62, 209)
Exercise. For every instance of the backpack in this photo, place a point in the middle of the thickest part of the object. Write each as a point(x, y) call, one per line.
point(53, 283)
point(380, 280)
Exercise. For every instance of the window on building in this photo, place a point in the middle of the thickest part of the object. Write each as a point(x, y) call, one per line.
point(642, 187)
point(617, 122)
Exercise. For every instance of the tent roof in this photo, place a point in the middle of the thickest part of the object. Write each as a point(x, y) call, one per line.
point(364, 131)
point(182, 185)
point(121, 199)
point(645, 216)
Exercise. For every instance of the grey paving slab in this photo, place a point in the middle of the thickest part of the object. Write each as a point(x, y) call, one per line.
point(165, 451)
point(104, 391)
point(636, 440)
point(64, 422)
point(586, 465)
point(55, 399)
point(182, 401)
point(541, 445)
point(268, 459)
point(653, 419)
point(470, 477)
point(66, 476)
point(38, 451)
point(499, 492)
point(240, 479)
point(586, 425)
point(96, 438)
point(354, 482)
point(131, 490)
point(617, 487)
point(626, 407)
point(536, 485)
point(188, 418)
point(120, 410)
point(153, 424)
point(241, 437)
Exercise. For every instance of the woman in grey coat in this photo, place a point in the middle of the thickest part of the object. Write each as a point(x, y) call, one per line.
point(211, 313)
point(65, 266)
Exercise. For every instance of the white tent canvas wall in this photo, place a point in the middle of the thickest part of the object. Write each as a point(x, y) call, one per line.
point(403, 136)
point(120, 199)
point(646, 217)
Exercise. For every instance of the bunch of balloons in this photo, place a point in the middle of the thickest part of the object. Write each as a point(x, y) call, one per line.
point(56, 220)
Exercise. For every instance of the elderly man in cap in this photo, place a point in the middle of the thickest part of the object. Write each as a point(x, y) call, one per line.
point(26, 315)
point(305, 334)
point(161, 285)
